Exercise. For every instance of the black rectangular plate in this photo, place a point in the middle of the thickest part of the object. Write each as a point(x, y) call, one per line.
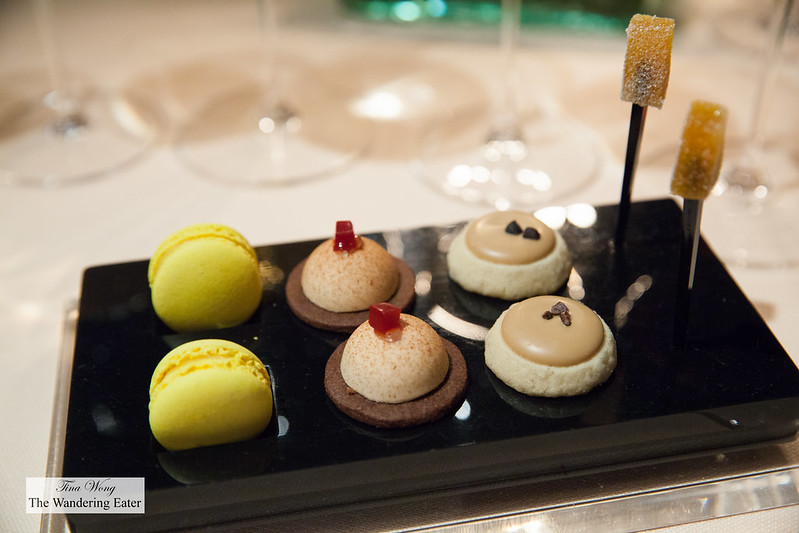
point(731, 385)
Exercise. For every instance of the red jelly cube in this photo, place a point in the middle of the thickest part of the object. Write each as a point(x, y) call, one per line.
point(384, 317)
point(346, 240)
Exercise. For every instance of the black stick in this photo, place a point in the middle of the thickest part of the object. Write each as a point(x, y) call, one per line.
point(637, 120)
point(689, 246)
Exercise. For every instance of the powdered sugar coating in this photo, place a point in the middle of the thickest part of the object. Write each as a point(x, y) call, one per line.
point(647, 63)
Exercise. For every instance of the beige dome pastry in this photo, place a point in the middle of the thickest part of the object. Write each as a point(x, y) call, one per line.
point(334, 286)
point(341, 282)
point(510, 255)
point(395, 371)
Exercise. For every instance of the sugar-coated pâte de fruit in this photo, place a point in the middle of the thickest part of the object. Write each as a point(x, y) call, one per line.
point(701, 150)
point(204, 276)
point(509, 255)
point(647, 62)
point(207, 392)
point(550, 346)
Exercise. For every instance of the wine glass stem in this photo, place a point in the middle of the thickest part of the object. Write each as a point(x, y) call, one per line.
point(66, 106)
point(768, 80)
point(507, 112)
point(270, 29)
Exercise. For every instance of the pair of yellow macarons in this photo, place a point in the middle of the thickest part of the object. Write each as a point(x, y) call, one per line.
point(207, 391)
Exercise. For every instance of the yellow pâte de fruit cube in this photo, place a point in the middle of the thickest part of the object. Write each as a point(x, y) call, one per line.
point(701, 151)
point(647, 63)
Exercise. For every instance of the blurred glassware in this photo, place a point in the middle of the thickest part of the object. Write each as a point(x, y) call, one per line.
point(565, 15)
point(73, 133)
point(258, 136)
point(507, 159)
point(756, 201)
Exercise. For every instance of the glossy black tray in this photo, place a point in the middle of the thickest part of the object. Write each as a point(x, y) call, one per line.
point(731, 385)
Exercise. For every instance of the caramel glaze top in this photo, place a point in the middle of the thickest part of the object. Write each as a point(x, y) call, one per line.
point(549, 341)
point(488, 239)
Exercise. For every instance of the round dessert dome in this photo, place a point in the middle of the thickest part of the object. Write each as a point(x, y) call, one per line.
point(342, 277)
point(349, 281)
point(396, 370)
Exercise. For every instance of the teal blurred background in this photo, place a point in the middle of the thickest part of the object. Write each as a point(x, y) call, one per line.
point(579, 15)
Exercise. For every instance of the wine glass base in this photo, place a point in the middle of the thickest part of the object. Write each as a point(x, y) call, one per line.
point(549, 159)
point(235, 141)
point(752, 217)
point(108, 131)
point(748, 232)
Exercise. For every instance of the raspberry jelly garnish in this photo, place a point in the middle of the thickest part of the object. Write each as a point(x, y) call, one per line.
point(346, 240)
point(385, 319)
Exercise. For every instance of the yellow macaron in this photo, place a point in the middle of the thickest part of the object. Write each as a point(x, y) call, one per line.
point(204, 276)
point(207, 392)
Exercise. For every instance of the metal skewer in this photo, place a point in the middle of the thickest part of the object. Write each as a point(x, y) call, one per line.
point(637, 120)
point(689, 248)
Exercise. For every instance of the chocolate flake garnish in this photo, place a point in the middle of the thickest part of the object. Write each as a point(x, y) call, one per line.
point(513, 228)
point(531, 233)
point(559, 309)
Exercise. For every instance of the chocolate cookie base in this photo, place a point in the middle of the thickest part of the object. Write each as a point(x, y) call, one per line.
point(428, 408)
point(346, 322)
